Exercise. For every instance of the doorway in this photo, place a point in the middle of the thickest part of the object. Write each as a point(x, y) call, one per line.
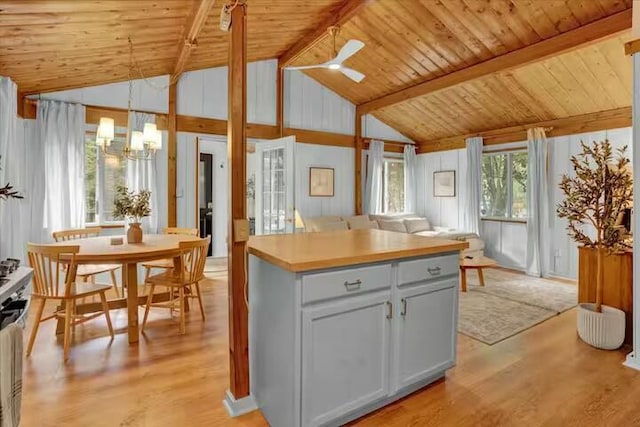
point(205, 196)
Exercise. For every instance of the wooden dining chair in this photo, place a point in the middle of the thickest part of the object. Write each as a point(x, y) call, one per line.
point(167, 264)
point(87, 273)
point(194, 257)
point(54, 278)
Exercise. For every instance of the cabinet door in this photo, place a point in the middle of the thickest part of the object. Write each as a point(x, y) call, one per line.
point(345, 356)
point(427, 322)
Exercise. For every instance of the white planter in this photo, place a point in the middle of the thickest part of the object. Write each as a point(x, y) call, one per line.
point(603, 330)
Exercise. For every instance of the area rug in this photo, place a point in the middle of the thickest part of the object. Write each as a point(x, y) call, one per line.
point(544, 293)
point(510, 303)
point(491, 319)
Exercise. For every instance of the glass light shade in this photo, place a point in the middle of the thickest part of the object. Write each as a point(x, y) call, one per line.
point(149, 133)
point(106, 130)
point(156, 144)
point(137, 141)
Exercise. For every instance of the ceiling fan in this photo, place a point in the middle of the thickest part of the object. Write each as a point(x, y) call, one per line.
point(348, 50)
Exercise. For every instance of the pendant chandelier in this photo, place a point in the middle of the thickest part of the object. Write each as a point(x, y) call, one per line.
point(138, 145)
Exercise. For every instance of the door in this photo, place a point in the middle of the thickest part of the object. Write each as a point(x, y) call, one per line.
point(345, 356)
point(274, 186)
point(427, 323)
point(205, 197)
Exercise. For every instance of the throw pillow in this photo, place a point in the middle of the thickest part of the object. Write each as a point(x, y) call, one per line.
point(358, 221)
point(417, 225)
point(332, 226)
point(392, 225)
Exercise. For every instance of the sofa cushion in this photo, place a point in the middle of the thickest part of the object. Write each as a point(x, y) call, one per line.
point(394, 217)
point(331, 226)
point(358, 221)
point(417, 225)
point(392, 225)
point(362, 225)
point(312, 223)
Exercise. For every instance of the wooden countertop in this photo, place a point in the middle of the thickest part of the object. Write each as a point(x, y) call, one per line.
point(313, 251)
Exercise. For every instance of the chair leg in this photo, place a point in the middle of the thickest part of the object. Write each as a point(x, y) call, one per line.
point(147, 306)
point(36, 324)
point(182, 313)
point(115, 283)
point(105, 308)
point(70, 306)
point(200, 300)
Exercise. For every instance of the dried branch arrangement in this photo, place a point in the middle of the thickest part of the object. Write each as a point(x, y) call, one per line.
point(7, 192)
point(131, 205)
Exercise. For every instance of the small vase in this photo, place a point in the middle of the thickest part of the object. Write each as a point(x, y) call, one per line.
point(134, 233)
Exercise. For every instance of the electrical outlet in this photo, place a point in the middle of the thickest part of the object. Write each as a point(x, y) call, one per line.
point(240, 230)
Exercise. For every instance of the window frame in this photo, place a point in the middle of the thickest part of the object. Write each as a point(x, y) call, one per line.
point(392, 159)
point(508, 153)
point(100, 169)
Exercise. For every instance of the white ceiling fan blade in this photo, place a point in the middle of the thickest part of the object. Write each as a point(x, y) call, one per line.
point(349, 49)
point(354, 75)
point(306, 67)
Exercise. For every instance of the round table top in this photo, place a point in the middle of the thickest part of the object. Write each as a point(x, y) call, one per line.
point(99, 250)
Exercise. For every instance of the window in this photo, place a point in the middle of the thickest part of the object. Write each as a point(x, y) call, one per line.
point(504, 185)
point(393, 186)
point(273, 191)
point(104, 173)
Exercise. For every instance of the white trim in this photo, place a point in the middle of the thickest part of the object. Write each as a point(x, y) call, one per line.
point(236, 407)
point(632, 361)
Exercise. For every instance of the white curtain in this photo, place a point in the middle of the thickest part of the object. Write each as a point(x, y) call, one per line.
point(61, 127)
point(537, 203)
point(373, 187)
point(22, 165)
point(474, 185)
point(410, 180)
point(142, 173)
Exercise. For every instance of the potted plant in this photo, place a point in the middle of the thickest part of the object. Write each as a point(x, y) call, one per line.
point(601, 189)
point(132, 206)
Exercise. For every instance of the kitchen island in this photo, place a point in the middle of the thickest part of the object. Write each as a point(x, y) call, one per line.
point(342, 323)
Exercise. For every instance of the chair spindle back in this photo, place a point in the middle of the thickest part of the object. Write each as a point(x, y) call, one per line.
point(79, 233)
point(179, 230)
point(50, 264)
point(194, 258)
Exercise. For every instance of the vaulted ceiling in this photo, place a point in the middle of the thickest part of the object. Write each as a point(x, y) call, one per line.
point(58, 44)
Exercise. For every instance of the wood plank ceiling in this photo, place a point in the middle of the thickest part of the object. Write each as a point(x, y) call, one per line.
point(409, 42)
point(60, 44)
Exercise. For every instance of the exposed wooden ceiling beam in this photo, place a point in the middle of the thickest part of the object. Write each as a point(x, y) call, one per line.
point(196, 22)
point(348, 10)
point(561, 43)
point(592, 122)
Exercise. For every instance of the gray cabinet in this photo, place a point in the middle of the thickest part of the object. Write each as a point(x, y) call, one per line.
point(345, 356)
point(426, 331)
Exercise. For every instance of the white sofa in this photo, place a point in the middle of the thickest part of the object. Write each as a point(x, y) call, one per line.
point(401, 223)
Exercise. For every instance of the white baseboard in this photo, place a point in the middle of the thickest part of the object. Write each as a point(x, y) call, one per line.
point(632, 361)
point(236, 407)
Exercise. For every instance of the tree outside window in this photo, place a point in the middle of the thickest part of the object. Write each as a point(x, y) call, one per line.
point(504, 185)
point(393, 186)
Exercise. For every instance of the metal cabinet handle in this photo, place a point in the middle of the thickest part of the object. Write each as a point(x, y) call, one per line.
point(403, 311)
point(353, 286)
point(390, 312)
point(434, 271)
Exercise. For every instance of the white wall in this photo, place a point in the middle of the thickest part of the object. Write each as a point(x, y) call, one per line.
point(218, 148)
point(343, 162)
point(507, 242)
point(310, 105)
point(374, 128)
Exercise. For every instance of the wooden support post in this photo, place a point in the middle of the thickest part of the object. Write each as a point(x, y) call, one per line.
point(280, 100)
point(172, 154)
point(358, 155)
point(237, 159)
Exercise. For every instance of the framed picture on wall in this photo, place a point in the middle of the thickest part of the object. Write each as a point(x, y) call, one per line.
point(321, 182)
point(444, 184)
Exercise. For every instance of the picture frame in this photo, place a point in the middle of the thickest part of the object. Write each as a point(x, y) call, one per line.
point(444, 183)
point(321, 182)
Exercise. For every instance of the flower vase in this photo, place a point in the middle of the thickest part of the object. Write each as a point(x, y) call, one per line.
point(134, 233)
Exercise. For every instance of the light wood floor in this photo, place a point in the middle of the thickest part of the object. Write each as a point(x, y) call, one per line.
point(543, 377)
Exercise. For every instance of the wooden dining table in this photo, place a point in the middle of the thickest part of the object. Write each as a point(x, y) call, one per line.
point(99, 250)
